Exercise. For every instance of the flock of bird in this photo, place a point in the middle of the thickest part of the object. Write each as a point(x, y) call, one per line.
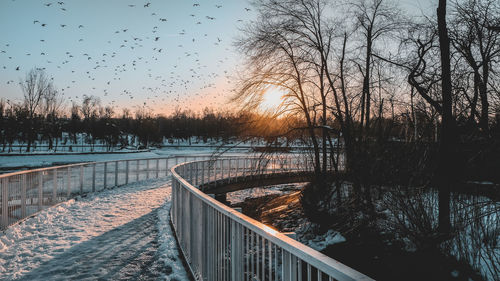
point(146, 58)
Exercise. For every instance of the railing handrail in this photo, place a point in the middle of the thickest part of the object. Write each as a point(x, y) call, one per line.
point(314, 258)
point(25, 193)
point(30, 191)
point(99, 162)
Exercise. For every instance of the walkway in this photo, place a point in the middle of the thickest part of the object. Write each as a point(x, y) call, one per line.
point(118, 234)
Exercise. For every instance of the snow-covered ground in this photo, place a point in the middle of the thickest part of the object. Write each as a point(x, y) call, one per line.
point(13, 163)
point(240, 196)
point(304, 231)
point(109, 235)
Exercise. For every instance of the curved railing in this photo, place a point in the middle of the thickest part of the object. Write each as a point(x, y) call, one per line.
point(25, 193)
point(219, 243)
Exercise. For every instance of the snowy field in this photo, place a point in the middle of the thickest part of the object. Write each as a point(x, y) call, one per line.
point(13, 163)
point(121, 233)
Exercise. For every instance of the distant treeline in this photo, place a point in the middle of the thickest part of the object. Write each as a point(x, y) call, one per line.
point(92, 123)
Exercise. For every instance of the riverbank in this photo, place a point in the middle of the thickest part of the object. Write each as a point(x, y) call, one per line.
point(379, 254)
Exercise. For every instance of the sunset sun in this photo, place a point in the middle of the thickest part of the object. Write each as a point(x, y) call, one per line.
point(272, 99)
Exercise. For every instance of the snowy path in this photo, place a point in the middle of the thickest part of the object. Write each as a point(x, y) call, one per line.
point(118, 234)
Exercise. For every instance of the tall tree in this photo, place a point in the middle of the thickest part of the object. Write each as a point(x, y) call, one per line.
point(479, 46)
point(34, 87)
point(448, 127)
point(374, 18)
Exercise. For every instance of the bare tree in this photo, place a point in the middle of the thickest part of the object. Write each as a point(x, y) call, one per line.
point(90, 111)
point(278, 58)
point(448, 141)
point(479, 46)
point(51, 111)
point(374, 19)
point(34, 87)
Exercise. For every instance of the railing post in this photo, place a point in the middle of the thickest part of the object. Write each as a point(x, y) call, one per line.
point(23, 195)
point(147, 168)
point(116, 173)
point(285, 265)
point(81, 179)
point(196, 172)
point(166, 166)
point(190, 167)
point(232, 259)
point(237, 167)
point(54, 190)
point(68, 190)
point(157, 167)
point(215, 173)
point(229, 169)
point(4, 182)
point(105, 174)
point(209, 172)
point(93, 177)
point(203, 172)
point(137, 171)
point(40, 190)
point(126, 171)
point(222, 169)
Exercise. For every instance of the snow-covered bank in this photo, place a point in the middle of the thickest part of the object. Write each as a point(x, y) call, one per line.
point(104, 235)
point(240, 196)
point(284, 212)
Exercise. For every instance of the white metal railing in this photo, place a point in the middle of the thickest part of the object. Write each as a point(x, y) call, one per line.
point(221, 244)
point(25, 193)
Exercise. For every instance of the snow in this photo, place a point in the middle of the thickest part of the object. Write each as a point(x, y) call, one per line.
point(320, 242)
point(168, 245)
point(305, 231)
point(107, 235)
point(240, 196)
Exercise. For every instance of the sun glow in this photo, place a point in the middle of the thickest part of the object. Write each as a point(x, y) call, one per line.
point(272, 99)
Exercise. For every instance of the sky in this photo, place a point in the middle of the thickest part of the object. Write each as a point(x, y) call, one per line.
point(159, 54)
point(164, 54)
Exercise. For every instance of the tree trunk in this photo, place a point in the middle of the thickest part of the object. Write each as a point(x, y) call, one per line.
point(445, 172)
point(366, 80)
point(483, 92)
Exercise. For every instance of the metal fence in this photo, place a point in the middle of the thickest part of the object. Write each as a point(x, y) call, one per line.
point(218, 242)
point(221, 244)
point(25, 193)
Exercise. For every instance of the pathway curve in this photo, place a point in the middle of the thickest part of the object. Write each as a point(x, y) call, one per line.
point(117, 234)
